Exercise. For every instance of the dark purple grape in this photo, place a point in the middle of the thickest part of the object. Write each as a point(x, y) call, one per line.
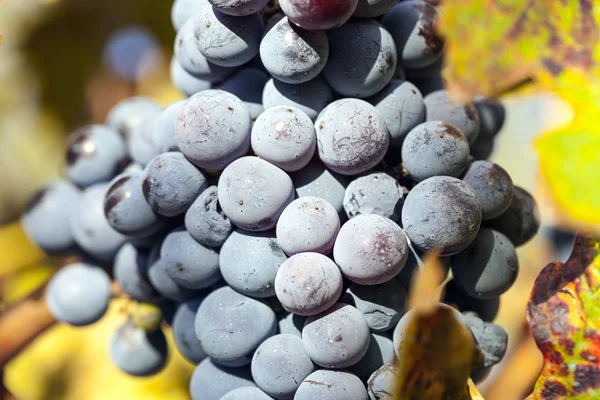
point(318, 15)
point(492, 185)
point(205, 220)
point(441, 107)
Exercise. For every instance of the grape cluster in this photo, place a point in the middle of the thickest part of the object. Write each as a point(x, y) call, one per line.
point(283, 207)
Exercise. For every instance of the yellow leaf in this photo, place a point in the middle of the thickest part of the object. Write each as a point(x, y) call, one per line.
point(425, 293)
point(16, 250)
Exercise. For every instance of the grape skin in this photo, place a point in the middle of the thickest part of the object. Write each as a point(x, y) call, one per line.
point(381, 305)
point(308, 284)
point(318, 15)
point(240, 186)
point(416, 38)
point(316, 180)
point(193, 61)
point(89, 226)
point(186, 83)
point(380, 351)
point(46, 217)
point(310, 97)
point(164, 134)
point(376, 193)
point(441, 107)
point(441, 212)
point(281, 356)
point(128, 113)
point(370, 249)
point(137, 352)
point(171, 184)
point(248, 85)
point(130, 270)
point(95, 153)
point(183, 10)
point(486, 309)
point(189, 263)
point(238, 8)
point(230, 326)
point(205, 222)
point(78, 294)
point(382, 383)
point(141, 145)
point(362, 60)
point(211, 381)
point(226, 40)
point(336, 338)
point(331, 385)
point(488, 267)
point(521, 221)
point(246, 393)
point(402, 107)
point(308, 224)
point(162, 282)
point(126, 209)
point(293, 55)
point(285, 137)
point(214, 129)
point(249, 262)
point(492, 185)
point(373, 8)
point(435, 149)
point(184, 331)
point(290, 323)
point(351, 136)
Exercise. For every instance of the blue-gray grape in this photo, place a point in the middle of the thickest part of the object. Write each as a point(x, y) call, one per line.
point(441, 212)
point(362, 60)
point(317, 181)
point(308, 284)
point(310, 97)
point(187, 84)
point(488, 267)
point(171, 184)
point(141, 145)
point(211, 381)
point(189, 263)
point(308, 224)
point(380, 352)
point(492, 185)
point(370, 249)
point(162, 282)
point(280, 364)
point(292, 54)
point(183, 10)
point(90, 228)
point(95, 153)
point(336, 338)
point(184, 331)
point(78, 294)
point(381, 305)
point(126, 209)
point(376, 193)
point(491, 117)
point(402, 107)
point(284, 136)
point(137, 352)
point(331, 385)
point(214, 129)
point(435, 148)
point(238, 8)
point(412, 25)
point(46, 217)
point(373, 8)
point(131, 272)
point(164, 134)
point(205, 220)
point(249, 262)
point(486, 309)
point(226, 40)
point(441, 107)
point(253, 193)
point(351, 136)
point(382, 383)
point(248, 85)
point(230, 326)
point(193, 61)
point(128, 113)
point(292, 324)
point(246, 393)
point(521, 221)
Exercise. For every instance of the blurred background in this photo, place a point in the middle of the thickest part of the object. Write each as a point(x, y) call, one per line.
point(66, 63)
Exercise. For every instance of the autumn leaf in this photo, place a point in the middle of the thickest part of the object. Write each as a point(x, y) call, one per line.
point(564, 316)
point(437, 352)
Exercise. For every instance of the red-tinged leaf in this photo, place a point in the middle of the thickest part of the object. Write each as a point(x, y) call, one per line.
point(564, 317)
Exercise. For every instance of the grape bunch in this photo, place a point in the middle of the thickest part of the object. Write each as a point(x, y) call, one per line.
point(282, 208)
